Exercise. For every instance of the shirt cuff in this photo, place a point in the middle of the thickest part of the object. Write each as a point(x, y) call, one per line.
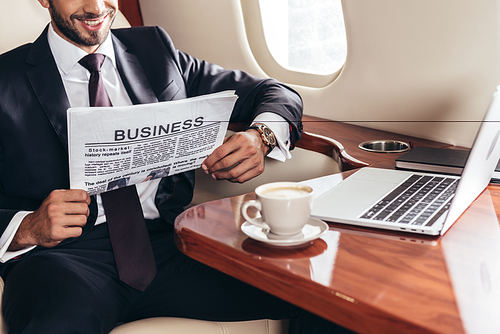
point(8, 236)
point(279, 126)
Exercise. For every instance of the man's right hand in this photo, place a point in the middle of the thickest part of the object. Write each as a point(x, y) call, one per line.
point(62, 215)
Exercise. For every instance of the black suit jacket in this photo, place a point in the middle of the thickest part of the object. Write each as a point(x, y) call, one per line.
point(33, 104)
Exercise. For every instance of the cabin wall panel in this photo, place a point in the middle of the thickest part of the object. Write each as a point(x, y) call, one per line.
point(210, 30)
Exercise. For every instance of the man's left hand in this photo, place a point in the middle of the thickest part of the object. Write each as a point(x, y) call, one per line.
point(239, 159)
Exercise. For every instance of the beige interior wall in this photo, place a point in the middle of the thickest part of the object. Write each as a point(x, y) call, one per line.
point(14, 31)
point(212, 30)
point(436, 62)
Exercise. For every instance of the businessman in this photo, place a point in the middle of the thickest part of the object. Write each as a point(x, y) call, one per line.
point(59, 257)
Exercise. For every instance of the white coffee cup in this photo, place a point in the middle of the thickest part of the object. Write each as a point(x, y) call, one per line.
point(285, 207)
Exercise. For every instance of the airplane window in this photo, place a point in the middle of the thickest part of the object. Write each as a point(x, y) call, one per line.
point(305, 35)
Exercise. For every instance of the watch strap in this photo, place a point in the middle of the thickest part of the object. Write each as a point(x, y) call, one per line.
point(266, 134)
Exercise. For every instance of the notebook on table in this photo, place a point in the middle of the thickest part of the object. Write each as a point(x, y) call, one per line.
point(438, 160)
point(415, 202)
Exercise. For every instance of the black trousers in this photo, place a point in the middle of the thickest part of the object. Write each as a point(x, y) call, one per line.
point(74, 289)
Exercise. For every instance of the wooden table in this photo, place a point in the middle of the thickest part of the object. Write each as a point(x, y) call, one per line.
point(366, 280)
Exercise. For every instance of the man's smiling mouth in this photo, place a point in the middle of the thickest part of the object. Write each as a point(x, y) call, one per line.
point(94, 23)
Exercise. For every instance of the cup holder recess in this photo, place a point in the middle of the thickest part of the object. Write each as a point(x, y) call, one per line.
point(384, 146)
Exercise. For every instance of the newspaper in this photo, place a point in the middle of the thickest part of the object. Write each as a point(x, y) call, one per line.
point(115, 147)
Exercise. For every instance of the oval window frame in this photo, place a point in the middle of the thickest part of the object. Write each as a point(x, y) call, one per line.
point(254, 30)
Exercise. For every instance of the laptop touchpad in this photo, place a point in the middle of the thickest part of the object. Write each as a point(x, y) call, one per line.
point(354, 195)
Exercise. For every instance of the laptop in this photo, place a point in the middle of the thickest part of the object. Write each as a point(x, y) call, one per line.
point(415, 202)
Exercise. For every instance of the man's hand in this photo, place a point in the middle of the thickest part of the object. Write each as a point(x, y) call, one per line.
point(62, 215)
point(239, 159)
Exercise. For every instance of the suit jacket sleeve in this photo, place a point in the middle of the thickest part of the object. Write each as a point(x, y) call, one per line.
point(173, 74)
point(256, 95)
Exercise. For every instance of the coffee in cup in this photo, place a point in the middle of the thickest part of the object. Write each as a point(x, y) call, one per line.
point(285, 207)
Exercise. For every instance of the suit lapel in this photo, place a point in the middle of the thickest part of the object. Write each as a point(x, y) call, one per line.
point(48, 86)
point(132, 74)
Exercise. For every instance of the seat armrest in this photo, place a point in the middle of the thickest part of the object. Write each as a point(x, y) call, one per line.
point(314, 156)
point(330, 147)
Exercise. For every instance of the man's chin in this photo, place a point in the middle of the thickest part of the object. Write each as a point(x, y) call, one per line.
point(92, 37)
point(82, 31)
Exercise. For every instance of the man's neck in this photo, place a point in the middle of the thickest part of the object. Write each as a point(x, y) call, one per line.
point(67, 54)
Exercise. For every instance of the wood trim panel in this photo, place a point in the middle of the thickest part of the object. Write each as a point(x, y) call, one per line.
point(132, 11)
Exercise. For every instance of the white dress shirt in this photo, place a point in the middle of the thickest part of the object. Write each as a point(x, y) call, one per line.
point(75, 79)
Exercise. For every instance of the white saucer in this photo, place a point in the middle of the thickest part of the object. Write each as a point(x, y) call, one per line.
point(313, 229)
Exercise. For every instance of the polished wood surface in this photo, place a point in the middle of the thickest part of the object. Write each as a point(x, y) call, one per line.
point(340, 142)
point(131, 9)
point(332, 148)
point(350, 136)
point(366, 280)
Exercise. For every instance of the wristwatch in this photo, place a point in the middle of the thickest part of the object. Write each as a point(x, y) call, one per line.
point(266, 135)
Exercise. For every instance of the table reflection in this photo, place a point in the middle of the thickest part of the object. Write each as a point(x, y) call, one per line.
point(471, 252)
point(314, 260)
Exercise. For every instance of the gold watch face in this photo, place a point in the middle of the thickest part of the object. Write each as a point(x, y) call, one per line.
point(269, 135)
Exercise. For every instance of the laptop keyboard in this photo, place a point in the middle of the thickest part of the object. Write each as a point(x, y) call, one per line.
point(416, 201)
